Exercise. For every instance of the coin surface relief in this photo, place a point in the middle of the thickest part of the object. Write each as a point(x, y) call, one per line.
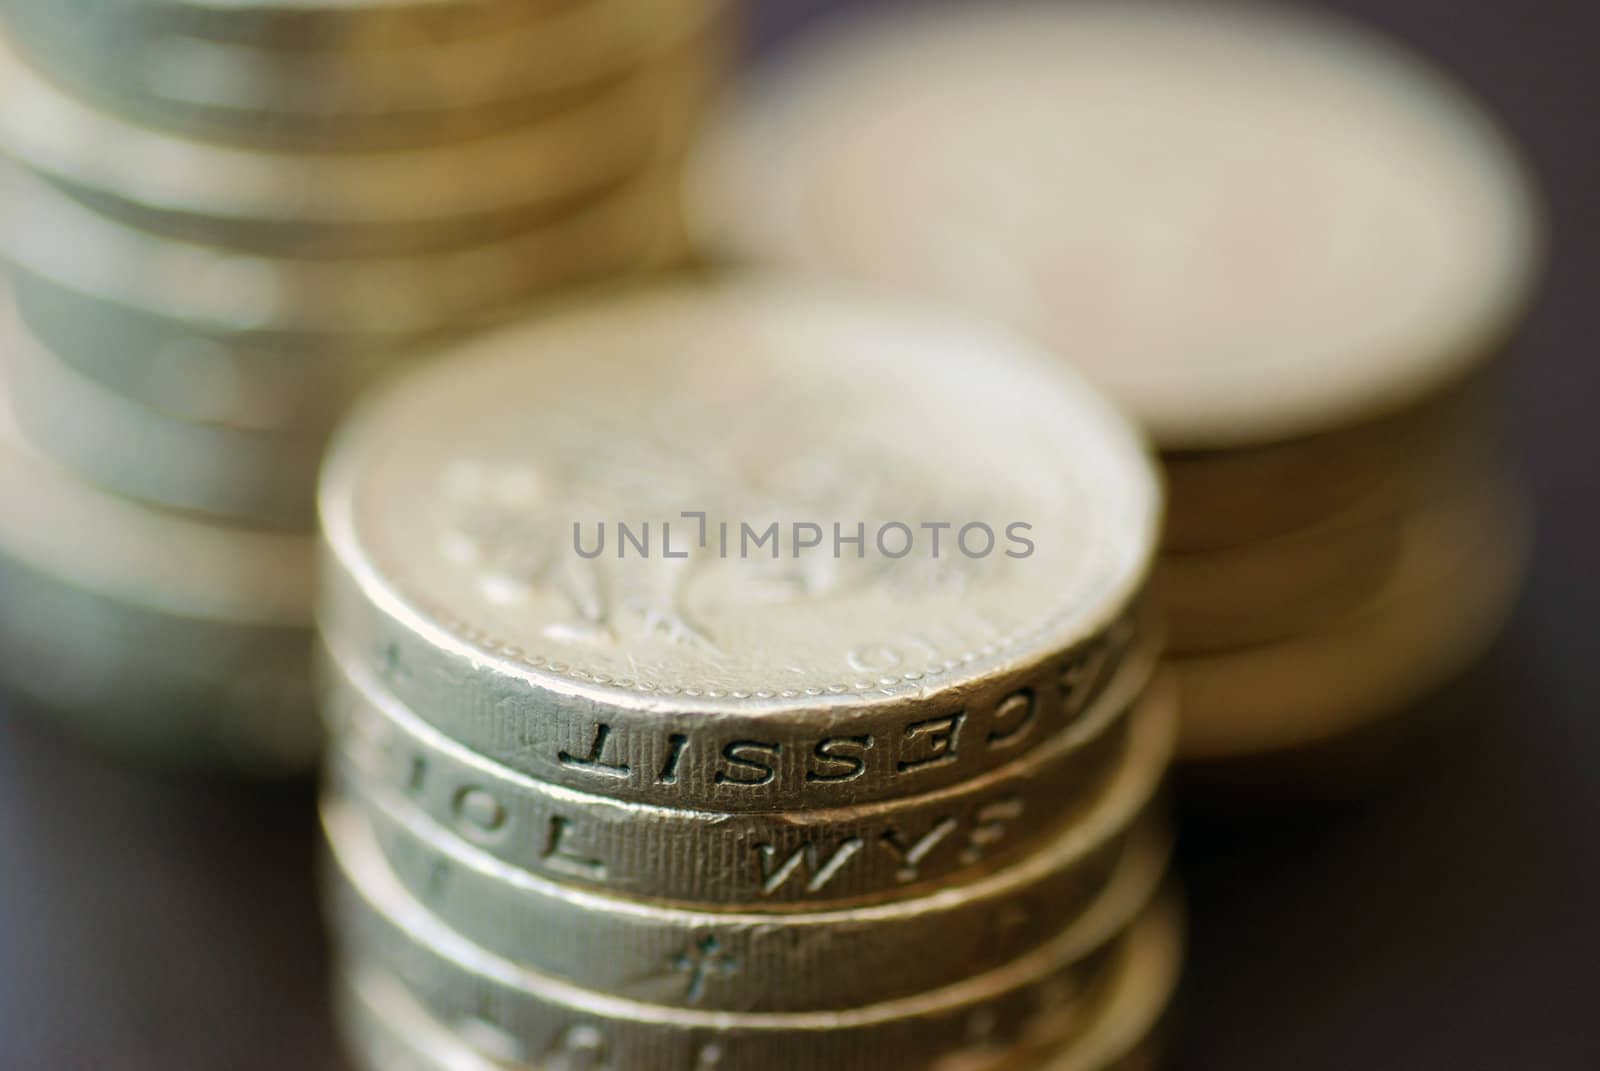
point(728, 644)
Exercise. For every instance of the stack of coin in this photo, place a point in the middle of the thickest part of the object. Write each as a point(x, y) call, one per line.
point(154, 632)
point(223, 219)
point(741, 677)
point(1286, 246)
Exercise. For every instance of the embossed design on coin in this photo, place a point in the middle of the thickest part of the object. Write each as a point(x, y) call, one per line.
point(774, 499)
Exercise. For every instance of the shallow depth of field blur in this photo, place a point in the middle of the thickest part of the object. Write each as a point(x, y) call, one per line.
point(154, 918)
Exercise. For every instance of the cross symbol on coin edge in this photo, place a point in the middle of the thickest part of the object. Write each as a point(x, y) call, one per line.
point(699, 961)
point(391, 668)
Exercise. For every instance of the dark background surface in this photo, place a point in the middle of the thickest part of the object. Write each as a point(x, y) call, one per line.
point(151, 924)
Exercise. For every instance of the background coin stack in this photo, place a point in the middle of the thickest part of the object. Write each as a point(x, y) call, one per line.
point(698, 807)
point(225, 219)
point(1285, 246)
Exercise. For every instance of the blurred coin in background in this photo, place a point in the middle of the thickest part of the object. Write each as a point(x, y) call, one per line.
point(150, 631)
point(1285, 245)
point(349, 76)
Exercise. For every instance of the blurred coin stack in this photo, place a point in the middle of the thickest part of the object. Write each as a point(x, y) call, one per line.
point(224, 219)
point(1284, 245)
point(666, 741)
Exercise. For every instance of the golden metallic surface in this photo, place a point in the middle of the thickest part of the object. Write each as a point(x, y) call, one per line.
point(225, 218)
point(1121, 1037)
point(265, 478)
point(150, 631)
point(384, 1028)
point(1447, 596)
point(200, 377)
point(739, 680)
point(1274, 587)
point(392, 300)
point(804, 859)
point(1351, 233)
point(367, 86)
point(340, 202)
point(820, 956)
point(387, 1029)
point(750, 959)
point(534, 1018)
point(153, 559)
point(1277, 587)
point(161, 686)
point(1223, 500)
point(330, 24)
point(679, 807)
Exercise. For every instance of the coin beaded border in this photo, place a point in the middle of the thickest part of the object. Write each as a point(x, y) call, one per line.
point(488, 644)
point(510, 704)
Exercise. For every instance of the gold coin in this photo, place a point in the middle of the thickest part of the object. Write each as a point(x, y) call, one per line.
point(265, 478)
point(149, 630)
point(725, 667)
point(61, 243)
point(341, 203)
point(1277, 587)
point(1222, 500)
point(815, 956)
point(329, 24)
point(1226, 499)
point(151, 558)
point(195, 376)
point(1244, 223)
point(165, 687)
point(1447, 596)
point(536, 1019)
point(1121, 1037)
point(388, 1029)
point(1092, 774)
point(378, 83)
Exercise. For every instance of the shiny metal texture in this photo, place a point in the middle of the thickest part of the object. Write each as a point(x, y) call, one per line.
point(716, 681)
point(797, 859)
point(371, 84)
point(536, 1017)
